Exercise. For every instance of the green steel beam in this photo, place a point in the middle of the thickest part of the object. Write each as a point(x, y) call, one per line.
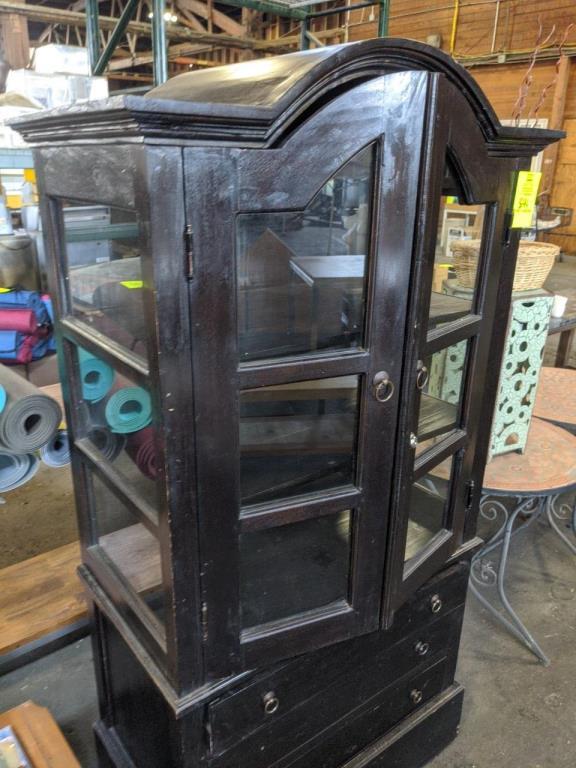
point(115, 37)
point(159, 45)
point(92, 33)
point(268, 7)
point(383, 18)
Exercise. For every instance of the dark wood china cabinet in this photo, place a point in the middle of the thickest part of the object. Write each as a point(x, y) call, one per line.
point(280, 418)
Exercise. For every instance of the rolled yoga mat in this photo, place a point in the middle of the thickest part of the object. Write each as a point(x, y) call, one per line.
point(56, 453)
point(109, 444)
point(25, 300)
point(16, 470)
point(30, 419)
point(22, 320)
point(141, 448)
point(97, 376)
point(128, 409)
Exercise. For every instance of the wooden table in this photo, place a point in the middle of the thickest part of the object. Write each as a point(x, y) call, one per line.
point(556, 397)
point(532, 482)
point(566, 327)
point(39, 736)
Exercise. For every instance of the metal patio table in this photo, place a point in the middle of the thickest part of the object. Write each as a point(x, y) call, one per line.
point(534, 482)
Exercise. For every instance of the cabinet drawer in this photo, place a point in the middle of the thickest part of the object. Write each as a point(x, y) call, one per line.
point(369, 722)
point(308, 698)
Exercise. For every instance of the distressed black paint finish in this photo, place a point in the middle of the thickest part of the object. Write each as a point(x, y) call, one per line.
point(365, 676)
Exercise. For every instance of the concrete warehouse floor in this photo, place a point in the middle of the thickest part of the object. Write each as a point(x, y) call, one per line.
point(518, 714)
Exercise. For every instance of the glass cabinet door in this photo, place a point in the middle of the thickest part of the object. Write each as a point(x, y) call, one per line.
point(433, 481)
point(317, 306)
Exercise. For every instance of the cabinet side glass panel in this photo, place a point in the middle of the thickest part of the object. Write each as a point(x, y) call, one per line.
point(119, 421)
point(102, 246)
point(129, 548)
point(302, 275)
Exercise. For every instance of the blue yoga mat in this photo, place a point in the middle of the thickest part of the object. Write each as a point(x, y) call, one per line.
point(56, 453)
point(25, 300)
point(3, 398)
point(97, 376)
point(128, 410)
point(16, 470)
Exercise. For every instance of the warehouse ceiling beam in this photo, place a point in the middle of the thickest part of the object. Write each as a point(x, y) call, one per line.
point(199, 8)
point(77, 19)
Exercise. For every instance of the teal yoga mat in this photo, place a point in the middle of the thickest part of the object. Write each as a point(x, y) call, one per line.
point(97, 376)
point(129, 409)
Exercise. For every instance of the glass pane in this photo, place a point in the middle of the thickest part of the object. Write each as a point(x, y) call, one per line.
point(457, 251)
point(120, 422)
point(133, 551)
point(442, 395)
point(294, 568)
point(301, 276)
point(104, 269)
point(297, 438)
point(427, 508)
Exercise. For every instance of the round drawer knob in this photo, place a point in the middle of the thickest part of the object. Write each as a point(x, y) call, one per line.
point(421, 648)
point(435, 604)
point(416, 696)
point(271, 703)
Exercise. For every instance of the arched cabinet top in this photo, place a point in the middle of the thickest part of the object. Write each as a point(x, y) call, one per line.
point(255, 103)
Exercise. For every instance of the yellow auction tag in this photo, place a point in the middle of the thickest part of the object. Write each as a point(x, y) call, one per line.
point(132, 284)
point(5, 290)
point(525, 199)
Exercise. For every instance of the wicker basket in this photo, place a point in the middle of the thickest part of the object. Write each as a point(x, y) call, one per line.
point(535, 260)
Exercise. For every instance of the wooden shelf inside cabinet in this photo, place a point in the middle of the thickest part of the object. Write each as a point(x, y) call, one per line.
point(39, 736)
point(445, 309)
point(436, 417)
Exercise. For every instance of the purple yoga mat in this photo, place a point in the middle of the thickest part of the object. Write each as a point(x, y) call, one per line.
point(141, 448)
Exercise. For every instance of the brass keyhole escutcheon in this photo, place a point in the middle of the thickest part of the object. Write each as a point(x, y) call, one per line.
point(271, 703)
point(382, 387)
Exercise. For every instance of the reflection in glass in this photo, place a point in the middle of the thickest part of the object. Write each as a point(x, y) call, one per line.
point(440, 402)
point(458, 241)
point(301, 276)
point(294, 568)
point(119, 422)
point(130, 547)
point(427, 508)
point(104, 268)
point(297, 438)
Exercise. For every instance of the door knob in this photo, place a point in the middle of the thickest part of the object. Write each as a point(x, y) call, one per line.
point(382, 387)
